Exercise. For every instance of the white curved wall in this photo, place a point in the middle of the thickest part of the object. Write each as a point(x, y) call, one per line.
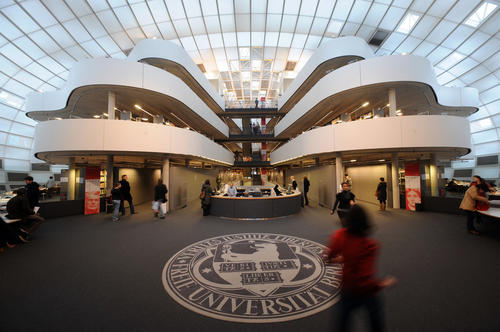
point(338, 47)
point(95, 135)
point(164, 49)
point(402, 132)
point(394, 68)
point(124, 73)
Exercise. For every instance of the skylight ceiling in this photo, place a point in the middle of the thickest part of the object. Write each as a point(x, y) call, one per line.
point(246, 44)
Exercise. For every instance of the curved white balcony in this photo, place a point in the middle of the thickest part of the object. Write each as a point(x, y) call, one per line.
point(102, 73)
point(350, 46)
point(169, 51)
point(385, 71)
point(101, 137)
point(391, 134)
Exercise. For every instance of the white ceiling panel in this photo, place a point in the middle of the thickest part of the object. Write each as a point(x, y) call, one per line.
point(44, 38)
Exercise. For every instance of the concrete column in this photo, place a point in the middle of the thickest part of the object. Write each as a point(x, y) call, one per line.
point(111, 105)
point(395, 181)
point(165, 176)
point(109, 175)
point(339, 173)
point(392, 102)
point(434, 176)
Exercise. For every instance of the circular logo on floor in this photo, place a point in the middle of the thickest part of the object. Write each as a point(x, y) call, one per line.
point(253, 277)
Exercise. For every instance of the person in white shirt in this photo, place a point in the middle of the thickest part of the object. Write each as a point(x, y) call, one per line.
point(231, 191)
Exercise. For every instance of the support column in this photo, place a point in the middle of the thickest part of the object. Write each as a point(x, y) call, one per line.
point(339, 175)
point(111, 105)
point(109, 175)
point(434, 175)
point(392, 102)
point(165, 176)
point(395, 181)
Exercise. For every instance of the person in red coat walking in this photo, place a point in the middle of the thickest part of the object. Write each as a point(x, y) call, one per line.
point(352, 247)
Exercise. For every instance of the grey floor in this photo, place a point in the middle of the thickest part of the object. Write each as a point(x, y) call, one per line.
point(90, 274)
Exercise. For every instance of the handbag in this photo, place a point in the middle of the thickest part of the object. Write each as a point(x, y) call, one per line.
point(202, 195)
point(163, 208)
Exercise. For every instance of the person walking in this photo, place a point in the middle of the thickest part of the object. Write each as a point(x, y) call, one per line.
point(205, 197)
point(351, 247)
point(32, 191)
point(116, 198)
point(306, 189)
point(468, 204)
point(160, 199)
point(256, 103)
point(126, 196)
point(381, 194)
point(344, 200)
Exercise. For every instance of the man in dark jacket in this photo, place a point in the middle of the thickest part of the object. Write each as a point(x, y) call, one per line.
point(126, 196)
point(381, 194)
point(32, 191)
point(18, 208)
point(306, 189)
point(160, 198)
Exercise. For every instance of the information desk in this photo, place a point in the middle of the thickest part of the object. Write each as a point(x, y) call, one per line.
point(255, 207)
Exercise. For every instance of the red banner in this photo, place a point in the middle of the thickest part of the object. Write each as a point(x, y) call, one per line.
point(92, 190)
point(412, 185)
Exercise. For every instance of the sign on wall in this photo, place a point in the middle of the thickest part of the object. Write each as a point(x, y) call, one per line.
point(412, 185)
point(92, 190)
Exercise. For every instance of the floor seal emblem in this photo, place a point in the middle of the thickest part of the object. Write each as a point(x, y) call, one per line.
point(253, 278)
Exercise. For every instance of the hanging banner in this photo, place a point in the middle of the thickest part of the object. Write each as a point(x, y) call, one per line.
point(92, 190)
point(412, 185)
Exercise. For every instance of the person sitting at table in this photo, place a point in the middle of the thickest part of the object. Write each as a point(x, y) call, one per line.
point(231, 191)
point(18, 208)
point(277, 191)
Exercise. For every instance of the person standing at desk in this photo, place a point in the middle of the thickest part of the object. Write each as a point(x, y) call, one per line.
point(294, 183)
point(32, 191)
point(277, 190)
point(306, 189)
point(231, 191)
point(205, 196)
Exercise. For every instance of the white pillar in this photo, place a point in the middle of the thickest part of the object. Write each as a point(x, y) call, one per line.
point(109, 175)
point(392, 102)
point(338, 173)
point(395, 181)
point(111, 105)
point(165, 175)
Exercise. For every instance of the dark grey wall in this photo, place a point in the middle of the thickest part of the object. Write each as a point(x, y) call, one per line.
point(185, 184)
point(322, 179)
point(142, 182)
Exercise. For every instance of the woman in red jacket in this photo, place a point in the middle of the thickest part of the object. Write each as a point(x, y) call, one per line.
point(352, 247)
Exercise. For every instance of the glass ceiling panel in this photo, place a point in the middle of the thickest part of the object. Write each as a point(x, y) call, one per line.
point(243, 42)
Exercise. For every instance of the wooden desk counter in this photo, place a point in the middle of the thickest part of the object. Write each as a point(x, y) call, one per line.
point(255, 207)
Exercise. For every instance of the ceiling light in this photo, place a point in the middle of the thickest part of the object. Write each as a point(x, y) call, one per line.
point(366, 104)
point(105, 114)
point(96, 116)
point(353, 160)
point(58, 118)
point(408, 23)
point(144, 119)
point(138, 107)
point(481, 14)
point(404, 53)
point(381, 160)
